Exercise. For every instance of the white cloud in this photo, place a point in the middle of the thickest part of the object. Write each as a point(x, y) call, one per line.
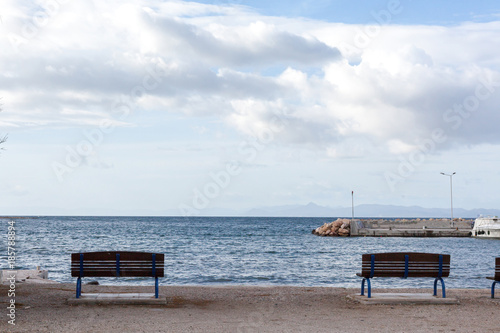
point(230, 62)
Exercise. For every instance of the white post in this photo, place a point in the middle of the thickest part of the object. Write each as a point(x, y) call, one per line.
point(451, 195)
point(352, 205)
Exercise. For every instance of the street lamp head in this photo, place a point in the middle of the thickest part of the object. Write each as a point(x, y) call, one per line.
point(453, 173)
point(442, 173)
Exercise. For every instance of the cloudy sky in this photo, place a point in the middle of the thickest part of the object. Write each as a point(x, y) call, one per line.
point(185, 107)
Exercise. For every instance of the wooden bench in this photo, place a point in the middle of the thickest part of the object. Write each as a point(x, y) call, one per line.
point(116, 264)
point(405, 265)
point(496, 278)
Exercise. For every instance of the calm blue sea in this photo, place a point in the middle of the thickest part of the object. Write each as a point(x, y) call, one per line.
point(236, 250)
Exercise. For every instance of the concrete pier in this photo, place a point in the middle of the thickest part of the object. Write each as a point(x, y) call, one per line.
point(411, 228)
point(413, 233)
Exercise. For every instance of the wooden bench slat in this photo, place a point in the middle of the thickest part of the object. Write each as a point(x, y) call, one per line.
point(138, 269)
point(122, 274)
point(107, 255)
point(90, 265)
point(92, 269)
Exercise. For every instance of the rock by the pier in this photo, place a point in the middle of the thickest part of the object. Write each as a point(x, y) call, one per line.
point(343, 232)
point(340, 227)
point(337, 224)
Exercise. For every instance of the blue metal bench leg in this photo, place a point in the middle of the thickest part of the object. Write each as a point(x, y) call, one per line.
point(78, 287)
point(493, 289)
point(79, 281)
point(442, 287)
point(156, 287)
point(363, 287)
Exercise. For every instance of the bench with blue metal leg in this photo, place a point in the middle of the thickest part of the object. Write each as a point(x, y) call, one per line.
point(405, 265)
point(116, 264)
point(495, 278)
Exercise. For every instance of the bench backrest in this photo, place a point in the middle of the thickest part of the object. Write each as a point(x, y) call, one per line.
point(497, 269)
point(410, 264)
point(117, 264)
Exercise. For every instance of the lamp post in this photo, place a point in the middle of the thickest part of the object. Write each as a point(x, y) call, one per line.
point(451, 193)
point(352, 205)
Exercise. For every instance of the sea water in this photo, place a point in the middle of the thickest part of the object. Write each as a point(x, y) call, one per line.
point(236, 250)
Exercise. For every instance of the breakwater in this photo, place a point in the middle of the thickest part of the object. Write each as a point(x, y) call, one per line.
point(396, 228)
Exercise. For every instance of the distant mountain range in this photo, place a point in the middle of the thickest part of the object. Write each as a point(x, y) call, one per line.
point(309, 210)
point(369, 210)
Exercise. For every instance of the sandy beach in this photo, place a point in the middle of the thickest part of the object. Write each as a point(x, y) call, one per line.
point(44, 308)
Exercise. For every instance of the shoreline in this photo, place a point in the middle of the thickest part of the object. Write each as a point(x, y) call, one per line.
point(243, 308)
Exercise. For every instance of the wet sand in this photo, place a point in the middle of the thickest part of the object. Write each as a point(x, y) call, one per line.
point(44, 308)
